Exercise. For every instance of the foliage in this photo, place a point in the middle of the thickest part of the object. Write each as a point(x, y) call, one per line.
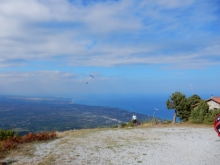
point(6, 134)
point(130, 124)
point(155, 121)
point(192, 100)
point(202, 114)
point(210, 116)
point(178, 102)
point(198, 113)
point(42, 136)
point(114, 126)
point(148, 121)
point(185, 110)
point(123, 125)
point(166, 122)
point(12, 142)
point(9, 144)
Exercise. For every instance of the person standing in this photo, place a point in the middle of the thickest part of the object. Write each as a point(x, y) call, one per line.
point(134, 119)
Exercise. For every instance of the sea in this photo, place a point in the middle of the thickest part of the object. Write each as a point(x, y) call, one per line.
point(152, 105)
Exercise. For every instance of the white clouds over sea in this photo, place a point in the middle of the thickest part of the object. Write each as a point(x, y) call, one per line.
point(39, 36)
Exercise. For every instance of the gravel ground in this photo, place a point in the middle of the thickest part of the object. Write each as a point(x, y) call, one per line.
point(134, 146)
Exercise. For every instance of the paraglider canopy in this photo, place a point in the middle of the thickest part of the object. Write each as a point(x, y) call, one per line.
point(91, 76)
point(217, 124)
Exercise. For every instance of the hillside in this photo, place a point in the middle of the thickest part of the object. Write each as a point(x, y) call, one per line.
point(162, 144)
point(31, 114)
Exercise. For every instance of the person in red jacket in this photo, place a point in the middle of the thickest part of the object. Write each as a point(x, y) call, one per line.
point(217, 124)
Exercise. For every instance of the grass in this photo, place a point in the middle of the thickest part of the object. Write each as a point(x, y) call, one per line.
point(80, 133)
point(48, 160)
point(24, 149)
point(170, 125)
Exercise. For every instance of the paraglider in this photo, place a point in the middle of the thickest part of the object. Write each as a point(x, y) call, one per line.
point(91, 77)
point(217, 124)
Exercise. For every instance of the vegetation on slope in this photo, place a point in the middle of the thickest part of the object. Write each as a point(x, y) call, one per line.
point(192, 109)
point(10, 140)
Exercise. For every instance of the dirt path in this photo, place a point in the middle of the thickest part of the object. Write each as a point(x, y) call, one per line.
point(159, 145)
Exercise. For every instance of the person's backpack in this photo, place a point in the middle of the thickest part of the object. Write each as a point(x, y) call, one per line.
point(217, 124)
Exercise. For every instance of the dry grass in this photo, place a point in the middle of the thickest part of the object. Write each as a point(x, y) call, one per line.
point(49, 159)
point(79, 133)
point(25, 149)
point(184, 124)
point(24, 145)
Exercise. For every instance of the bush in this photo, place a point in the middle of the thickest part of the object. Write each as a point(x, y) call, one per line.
point(167, 122)
point(210, 116)
point(7, 134)
point(123, 125)
point(130, 124)
point(8, 144)
point(147, 121)
point(41, 136)
point(12, 140)
point(114, 126)
point(197, 114)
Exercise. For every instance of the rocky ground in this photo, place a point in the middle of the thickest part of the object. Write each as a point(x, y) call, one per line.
point(163, 144)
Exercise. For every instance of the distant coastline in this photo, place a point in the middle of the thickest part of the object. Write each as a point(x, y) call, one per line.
point(143, 104)
point(31, 114)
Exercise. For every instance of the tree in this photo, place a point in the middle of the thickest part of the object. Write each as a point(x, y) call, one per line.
point(178, 102)
point(198, 114)
point(192, 100)
point(170, 105)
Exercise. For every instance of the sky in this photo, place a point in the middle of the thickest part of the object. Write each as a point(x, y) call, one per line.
point(51, 47)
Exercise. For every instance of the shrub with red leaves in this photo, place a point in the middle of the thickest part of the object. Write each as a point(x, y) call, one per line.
point(28, 138)
point(8, 145)
point(13, 142)
point(53, 135)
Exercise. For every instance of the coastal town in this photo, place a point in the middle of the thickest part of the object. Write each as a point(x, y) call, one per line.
point(43, 114)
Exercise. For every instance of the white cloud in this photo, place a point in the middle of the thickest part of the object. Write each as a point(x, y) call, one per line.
point(124, 32)
point(174, 3)
point(42, 76)
point(38, 83)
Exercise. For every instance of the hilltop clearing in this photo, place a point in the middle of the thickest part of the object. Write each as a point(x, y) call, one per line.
point(163, 144)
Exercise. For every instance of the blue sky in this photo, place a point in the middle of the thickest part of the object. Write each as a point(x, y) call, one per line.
point(47, 47)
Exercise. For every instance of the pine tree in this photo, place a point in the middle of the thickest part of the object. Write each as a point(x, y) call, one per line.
point(198, 114)
point(192, 100)
point(178, 102)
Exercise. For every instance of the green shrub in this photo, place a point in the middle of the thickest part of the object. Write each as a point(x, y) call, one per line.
point(167, 122)
point(123, 125)
point(130, 124)
point(155, 121)
point(197, 114)
point(7, 134)
point(210, 116)
point(114, 126)
point(148, 121)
